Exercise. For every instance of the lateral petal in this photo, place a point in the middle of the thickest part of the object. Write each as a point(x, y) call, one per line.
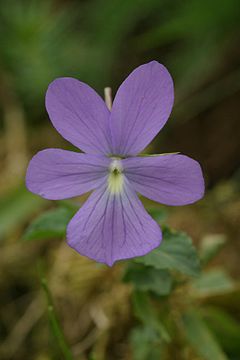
point(168, 179)
point(59, 174)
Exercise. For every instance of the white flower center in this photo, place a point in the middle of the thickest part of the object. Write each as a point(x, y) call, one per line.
point(115, 178)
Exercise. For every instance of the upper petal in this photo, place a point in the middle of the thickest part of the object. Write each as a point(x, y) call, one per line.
point(59, 174)
point(79, 114)
point(169, 179)
point(141, 107)
point(111, 227)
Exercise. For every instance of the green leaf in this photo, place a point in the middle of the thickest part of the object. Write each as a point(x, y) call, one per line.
point(200, 337)
point(16, 207)
point(225, 328)
point(176, 252)
point(51, 224)
point(212, 283)
point(159, 215)
point(210, 247)
point(148, 278)
point(145, 344)
point(92, 357)
point(145, 312)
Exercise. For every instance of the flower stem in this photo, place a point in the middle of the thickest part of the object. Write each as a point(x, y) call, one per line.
point(108, 97)
point(54, 322)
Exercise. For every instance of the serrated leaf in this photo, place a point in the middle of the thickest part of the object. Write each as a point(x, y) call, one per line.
point(147, 278)
point(212, 282)
point(200, 337)
point(176, 252)
point(51, 224)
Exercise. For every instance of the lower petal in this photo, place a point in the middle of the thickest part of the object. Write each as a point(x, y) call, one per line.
point(111, 227)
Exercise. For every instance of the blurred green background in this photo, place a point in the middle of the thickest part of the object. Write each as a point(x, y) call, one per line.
point(100, 42)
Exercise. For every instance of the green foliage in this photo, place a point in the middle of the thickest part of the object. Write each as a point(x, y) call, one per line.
point(175, 253)
point(160, 215)
point(177, 314)
point(92, 357)
point(200, 27)
point(41, 40)
point(166, 307)
point(144, 311)
point(225, 328)
point(146, 278)
point(51, 224)
point(110, 24)
point(212, 282)
point(200, 337)
point(32, 34)
point(146, 344)
point(54, 322)
point(210, 247)
point(193, 15)
point(16, 207)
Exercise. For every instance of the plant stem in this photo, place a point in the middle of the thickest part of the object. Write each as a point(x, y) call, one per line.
point(108, 97)
point(54, 322)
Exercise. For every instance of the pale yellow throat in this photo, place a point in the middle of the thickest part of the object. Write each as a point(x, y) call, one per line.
point(116, 177)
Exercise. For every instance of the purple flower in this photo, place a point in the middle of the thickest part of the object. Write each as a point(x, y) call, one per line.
point(113, 224)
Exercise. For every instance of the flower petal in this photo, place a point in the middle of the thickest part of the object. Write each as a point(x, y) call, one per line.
point(141, 107)
point(111, 227)
point(79, 114)
point(59, 174)
point(169, 179)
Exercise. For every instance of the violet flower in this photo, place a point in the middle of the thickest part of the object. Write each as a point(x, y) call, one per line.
point(113, 224)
